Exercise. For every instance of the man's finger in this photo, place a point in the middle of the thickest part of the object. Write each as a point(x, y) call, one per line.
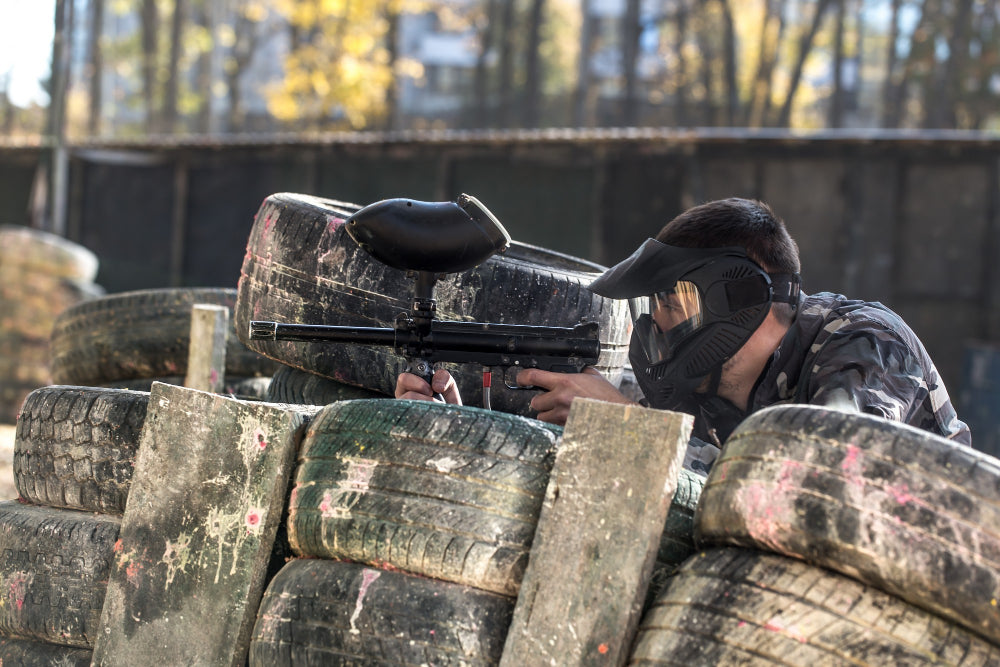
point(536, 377)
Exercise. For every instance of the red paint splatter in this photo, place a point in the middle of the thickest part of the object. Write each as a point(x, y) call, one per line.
point(602, 649)
point(261, 440)
point(118, 547)
point(253, 520)
point(334, 222)
point(213, 376)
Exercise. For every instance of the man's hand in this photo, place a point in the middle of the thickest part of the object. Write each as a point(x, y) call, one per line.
point(416, 388)
point(562, 388)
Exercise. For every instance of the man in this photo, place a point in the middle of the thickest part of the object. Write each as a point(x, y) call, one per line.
point(721, 329)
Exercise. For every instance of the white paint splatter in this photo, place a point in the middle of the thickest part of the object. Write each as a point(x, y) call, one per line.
point(367, 577)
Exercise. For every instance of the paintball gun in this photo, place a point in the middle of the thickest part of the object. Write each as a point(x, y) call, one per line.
point(428, 240)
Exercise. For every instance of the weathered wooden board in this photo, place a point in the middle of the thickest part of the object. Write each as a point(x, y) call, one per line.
point(614, 476)
point(198, 530)
point(206, 369)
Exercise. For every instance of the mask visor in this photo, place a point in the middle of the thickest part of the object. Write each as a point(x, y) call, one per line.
point(664, 320)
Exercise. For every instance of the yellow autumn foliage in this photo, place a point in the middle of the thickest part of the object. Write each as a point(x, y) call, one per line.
point(341, 71)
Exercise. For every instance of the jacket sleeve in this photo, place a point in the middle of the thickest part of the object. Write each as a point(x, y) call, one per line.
point(867, 367)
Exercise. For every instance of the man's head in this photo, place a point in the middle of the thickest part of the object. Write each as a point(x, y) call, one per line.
point(700, 291)
point(743, 223)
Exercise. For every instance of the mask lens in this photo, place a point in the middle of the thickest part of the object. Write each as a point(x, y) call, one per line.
point(666, 319)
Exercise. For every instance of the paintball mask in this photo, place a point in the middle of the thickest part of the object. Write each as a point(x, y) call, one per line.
point(692, 309)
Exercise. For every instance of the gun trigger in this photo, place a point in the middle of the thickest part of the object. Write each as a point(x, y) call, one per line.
point(514, 385)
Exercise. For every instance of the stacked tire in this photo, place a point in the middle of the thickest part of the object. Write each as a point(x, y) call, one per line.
point(129, 340)
point(836, 538)
point(74, 453)
point(302, 267)
point(412, 522)
point(41, 275)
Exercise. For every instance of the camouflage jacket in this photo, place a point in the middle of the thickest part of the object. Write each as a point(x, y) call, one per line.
point(859, 355)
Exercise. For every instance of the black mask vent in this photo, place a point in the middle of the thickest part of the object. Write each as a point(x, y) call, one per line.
point(719, 347)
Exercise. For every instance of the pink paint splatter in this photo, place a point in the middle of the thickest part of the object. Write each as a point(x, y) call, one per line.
point(333, 222)
point(19, 590)
point(901, 494)
point(851, 466)
point(260, 438)
point(253, 520)
point(213, 376)
point(324, 505)
point(851, 459)
point(367, 578)
point(762, 523)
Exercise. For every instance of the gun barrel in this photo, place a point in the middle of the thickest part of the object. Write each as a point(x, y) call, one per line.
point(261, 330)
point(505, 344)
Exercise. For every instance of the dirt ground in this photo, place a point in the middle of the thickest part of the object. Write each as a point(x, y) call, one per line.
point(7, 489)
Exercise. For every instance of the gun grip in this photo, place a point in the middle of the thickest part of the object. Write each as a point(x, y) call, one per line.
point(423, 369)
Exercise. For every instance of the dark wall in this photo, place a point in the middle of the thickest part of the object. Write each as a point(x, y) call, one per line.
point(911, 221)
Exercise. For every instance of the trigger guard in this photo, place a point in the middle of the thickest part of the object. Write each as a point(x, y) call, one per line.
point(515, 386)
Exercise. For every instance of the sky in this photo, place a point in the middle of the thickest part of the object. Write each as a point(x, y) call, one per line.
point(26, 47)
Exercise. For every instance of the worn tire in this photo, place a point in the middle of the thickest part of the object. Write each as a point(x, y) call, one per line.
point(290, 385)
point(445, 491)
point(54, 568)
point(75, 447)
point(246, 388)
point(142, 334)
point(28, 653)
point(302, 267)
point(895, 507)
point(41, 252)
point(677, 540)
point(734, 606)
point(324, 612)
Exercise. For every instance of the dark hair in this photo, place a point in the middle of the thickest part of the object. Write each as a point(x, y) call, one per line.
point(745, 223)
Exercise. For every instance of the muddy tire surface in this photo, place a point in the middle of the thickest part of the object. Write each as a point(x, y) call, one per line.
point(247, 388)
point(895, 507)
point(140, 335)
point(75, 447)
point(677, 541)
point(55, 569)
point(29, 653)
point(302, 267)
point(448, 492)
point(324, 612)
point(291, 385)
point(731, 606)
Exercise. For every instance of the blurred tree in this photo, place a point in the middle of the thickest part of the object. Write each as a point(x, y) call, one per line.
point(533, 74)
point(196, 65)
point(95, 67)
point(805, 47)
point(149, 20)
point(339, 70)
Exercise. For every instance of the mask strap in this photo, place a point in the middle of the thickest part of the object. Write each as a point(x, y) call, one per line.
point(713, 382)
point(786, 288)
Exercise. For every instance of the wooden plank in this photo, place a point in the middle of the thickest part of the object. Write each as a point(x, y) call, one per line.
point(198, 530)
point(206, 368)
point(614, 476)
